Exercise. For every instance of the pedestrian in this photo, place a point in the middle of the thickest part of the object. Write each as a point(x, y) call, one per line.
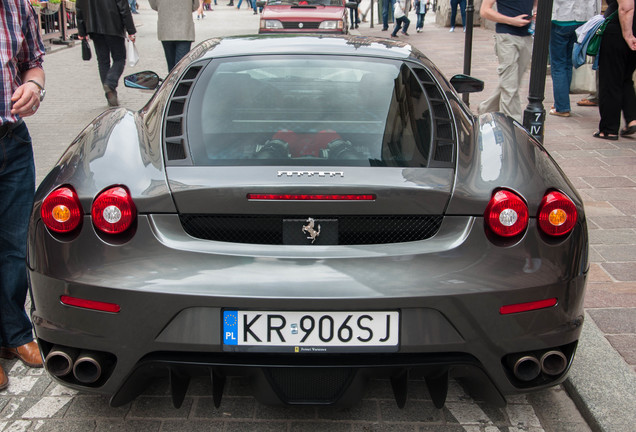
point(616, 65)
point(106, 23)
point(386, 4)
point(200, 14)
point(513, 47)
point(421, 7)
point(462, 11)
point(22, 52)
point(133, 6)
point(567, 16)
point(175, 27)
point(353, 15)
point(400, 13)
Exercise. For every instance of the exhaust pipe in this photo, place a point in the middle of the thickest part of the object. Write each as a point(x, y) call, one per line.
point(59, 361)
point(88, 367)
point(553, 362)
point(526, 368)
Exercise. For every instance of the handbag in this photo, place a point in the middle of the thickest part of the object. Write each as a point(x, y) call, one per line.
point(584, 79)
point(86, 50)
point(595, 41)
point(132, 55)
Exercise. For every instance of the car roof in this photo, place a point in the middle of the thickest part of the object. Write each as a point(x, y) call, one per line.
point(305, 44)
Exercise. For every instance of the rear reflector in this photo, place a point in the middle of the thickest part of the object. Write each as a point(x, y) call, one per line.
point(90, 304)
point(525, 307)
point(303, 197)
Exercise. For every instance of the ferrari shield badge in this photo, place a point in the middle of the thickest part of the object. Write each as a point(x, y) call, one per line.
point(311, 230)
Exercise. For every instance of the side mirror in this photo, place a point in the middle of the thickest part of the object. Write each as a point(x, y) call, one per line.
point(260, 3)
point(146, 80)
point(466, 84)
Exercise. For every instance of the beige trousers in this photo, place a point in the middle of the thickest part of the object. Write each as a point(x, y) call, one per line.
point(514, 54)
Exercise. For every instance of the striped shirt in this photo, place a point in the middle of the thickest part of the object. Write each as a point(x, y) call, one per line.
point(21, 49)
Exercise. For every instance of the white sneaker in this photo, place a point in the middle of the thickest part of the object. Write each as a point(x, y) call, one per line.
point(452, 29)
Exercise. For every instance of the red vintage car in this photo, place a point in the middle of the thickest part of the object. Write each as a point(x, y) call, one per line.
point(305, 16)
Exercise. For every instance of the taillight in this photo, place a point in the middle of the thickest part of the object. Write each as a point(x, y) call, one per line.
point(61, 210)
point(557, 214)
point(113, 210)
point(506, 214)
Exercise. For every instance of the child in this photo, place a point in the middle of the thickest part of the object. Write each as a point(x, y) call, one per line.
point(400, 11)
point(421, 7)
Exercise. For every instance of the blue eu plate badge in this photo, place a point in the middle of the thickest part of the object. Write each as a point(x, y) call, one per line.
point(230, 327)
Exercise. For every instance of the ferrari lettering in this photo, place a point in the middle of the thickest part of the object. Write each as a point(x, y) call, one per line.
point(311, 174)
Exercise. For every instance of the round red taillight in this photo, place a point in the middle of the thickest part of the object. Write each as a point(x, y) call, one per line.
point(506, 214)
point(61, 210)
point(113, 210)
point(557, 214)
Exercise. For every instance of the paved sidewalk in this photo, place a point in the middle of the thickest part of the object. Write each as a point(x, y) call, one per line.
point(603, 378)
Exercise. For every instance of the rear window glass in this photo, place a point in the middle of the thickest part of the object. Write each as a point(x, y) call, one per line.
point(318, 110)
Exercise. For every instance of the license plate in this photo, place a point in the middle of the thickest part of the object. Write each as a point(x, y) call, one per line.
point(310, 332)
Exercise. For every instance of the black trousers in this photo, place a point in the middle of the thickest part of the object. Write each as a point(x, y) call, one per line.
point(615, 87)
point(107, 46)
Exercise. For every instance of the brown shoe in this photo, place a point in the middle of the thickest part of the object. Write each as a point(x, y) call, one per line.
point(4, 379)
point(111, 96)
point(28, 353)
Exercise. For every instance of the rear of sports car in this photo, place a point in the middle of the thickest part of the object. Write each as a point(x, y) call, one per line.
point(310, 222)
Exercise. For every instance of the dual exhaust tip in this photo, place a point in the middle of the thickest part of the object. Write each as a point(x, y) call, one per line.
point(86, 366)
point(528, 367)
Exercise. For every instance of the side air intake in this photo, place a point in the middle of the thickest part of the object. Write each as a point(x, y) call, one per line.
point(443, 129)
point(175, 124)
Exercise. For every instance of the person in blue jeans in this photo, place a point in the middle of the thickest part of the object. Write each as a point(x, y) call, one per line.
point(462, 11)
point(386, 4)
point(400, 12)
point(421, 7)
point(175, 28)
point(567, 16)
point(133, 6)
point(22, 92)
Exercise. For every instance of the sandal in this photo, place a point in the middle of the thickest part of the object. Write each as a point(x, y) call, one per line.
point(554, 112)
point(629, 130)
point(586, 102)
point(605, 136)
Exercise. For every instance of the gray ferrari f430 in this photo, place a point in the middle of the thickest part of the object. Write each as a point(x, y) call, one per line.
point(308, 212)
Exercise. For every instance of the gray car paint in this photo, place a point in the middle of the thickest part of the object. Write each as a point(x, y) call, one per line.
point(172, 287)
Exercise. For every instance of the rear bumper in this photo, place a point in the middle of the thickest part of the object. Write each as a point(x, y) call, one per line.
point(172, 291)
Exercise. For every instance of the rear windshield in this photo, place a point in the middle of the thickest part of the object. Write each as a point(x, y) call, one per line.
point(319, 110)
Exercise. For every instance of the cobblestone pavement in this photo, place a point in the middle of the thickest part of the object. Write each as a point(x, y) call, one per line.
point(604, 173)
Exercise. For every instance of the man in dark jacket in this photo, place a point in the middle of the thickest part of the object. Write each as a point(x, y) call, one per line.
point(107, 22)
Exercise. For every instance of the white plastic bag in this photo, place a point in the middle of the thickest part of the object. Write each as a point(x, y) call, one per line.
point(584, 79)
point(132, 55)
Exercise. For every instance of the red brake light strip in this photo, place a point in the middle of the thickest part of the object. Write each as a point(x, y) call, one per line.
point(310, 197)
